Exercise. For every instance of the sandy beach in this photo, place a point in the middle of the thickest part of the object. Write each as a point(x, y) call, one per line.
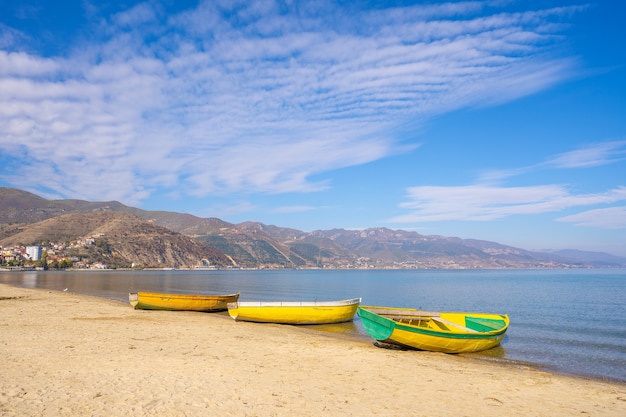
point(65, 354)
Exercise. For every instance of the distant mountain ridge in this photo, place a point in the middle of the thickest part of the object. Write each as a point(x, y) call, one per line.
point(598, 259)
point(161, 238)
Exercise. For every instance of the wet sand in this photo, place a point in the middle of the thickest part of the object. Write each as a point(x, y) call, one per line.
point(65, 354)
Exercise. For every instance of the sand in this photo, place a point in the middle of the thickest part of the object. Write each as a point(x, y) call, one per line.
point(66, 354)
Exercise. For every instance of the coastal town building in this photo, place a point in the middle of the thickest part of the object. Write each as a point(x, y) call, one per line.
point(34, 252)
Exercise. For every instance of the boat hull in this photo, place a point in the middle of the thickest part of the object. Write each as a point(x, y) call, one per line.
point(447, 332)
point(181, 302)
point(295, 312)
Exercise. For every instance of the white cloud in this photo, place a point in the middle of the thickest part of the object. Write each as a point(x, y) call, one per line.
point(607, 218)
point(486, 202)
point(260, 101)
point(25, 65)
point(591, 155)
point(489, 200)
point(137, 15)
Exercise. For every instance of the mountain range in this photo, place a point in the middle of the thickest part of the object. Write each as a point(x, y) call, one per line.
point(128, 236)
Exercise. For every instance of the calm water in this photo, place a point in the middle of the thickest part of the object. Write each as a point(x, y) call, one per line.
point(568, 321)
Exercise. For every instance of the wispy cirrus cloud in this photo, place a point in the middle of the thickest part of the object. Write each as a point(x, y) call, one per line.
point(489, 199)
point(591, 155)
point(487, 202)
point(605, 218)
point(588, 156)
point(255, 96)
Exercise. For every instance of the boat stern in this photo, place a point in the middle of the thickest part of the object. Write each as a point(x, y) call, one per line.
point(133, 299)
point(233, 309)
point(378, 327)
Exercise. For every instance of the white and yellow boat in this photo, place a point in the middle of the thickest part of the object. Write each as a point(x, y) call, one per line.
point(448, 332)
point(295, 312)
point(181, 302)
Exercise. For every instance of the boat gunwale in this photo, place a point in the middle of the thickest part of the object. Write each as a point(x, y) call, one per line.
point(184, 296)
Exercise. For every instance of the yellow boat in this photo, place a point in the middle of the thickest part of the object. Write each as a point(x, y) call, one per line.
point(295, 312)
point(440, 332)
point(181, 302)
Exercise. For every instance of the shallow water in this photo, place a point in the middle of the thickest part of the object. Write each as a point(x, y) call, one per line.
point(567, 321)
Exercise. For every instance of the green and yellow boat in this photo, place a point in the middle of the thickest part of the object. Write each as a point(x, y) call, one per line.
point(447, 332)
point(295, 312)
point(181, 302)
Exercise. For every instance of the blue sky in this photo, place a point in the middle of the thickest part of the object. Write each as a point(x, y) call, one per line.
point(496, 120)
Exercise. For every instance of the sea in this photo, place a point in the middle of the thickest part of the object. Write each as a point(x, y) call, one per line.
point(568, 321)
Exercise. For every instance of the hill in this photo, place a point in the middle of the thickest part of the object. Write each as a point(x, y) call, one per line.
point(157, 238)
point(117, 239)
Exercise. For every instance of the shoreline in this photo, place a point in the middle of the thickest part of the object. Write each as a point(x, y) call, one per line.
point(356, 332)
point(71, 354)
point(361, 336)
